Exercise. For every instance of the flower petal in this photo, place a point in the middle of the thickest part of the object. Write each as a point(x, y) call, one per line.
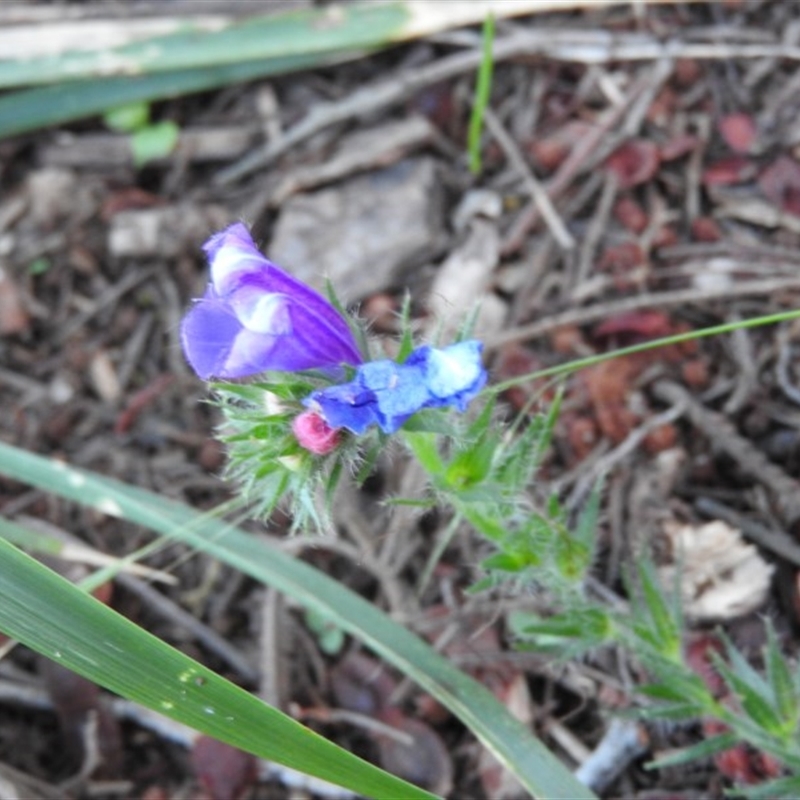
point(386, 394)
point(345, 406)
point(208, 333)
point(254, 317)
point(399, 389)
point(236, 261)
point(455, 374)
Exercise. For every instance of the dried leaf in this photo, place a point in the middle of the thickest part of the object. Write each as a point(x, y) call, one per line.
point(662, 438)
point(549, 152)
point(76, 701)
point(700, 651)
point(361, 684)
point(14, 316)
point(780, 184)
point(139, 402)
point(582, 435)
point(423, 759)
point(739, 131)
point(636, 326)
point(729, 171)
point(635, 162)
point(104, 378)
point(678, 146)
point(621, 259)
point(610, 386)
point(513, 361)
point(741, 764)
point(720, 576)
point(630, 214)
point(706, 229)
point(224, 771)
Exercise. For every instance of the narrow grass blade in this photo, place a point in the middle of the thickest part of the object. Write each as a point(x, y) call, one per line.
point(50, 615)
point(80, 83)
point(483, 89)
point(31, 109)
point(508, 739)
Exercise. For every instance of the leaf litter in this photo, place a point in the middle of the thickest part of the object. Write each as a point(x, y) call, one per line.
point(633, 196)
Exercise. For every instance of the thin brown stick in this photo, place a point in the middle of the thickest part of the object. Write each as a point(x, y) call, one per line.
point(537, 192)
point(784, 489)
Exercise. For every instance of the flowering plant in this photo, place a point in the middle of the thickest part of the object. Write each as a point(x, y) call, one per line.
point(313, 403)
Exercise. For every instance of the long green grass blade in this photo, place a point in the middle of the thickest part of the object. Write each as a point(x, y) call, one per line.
point(50, 615)
point(80, 83)
point(508, 739)
point(270, 36)
point(31, 109)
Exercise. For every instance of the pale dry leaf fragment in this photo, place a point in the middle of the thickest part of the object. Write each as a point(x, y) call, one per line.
point(464, 277)
point(14, 317)
point(720, 576)
point(104, 378)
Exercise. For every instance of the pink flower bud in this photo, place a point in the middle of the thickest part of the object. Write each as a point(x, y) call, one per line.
point(314, 433)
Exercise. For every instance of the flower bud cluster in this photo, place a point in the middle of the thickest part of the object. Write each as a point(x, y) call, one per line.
point(255, 318)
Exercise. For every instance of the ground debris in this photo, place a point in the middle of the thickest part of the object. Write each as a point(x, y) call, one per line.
point(366, 234)
point(720, 576)
point(641, 177)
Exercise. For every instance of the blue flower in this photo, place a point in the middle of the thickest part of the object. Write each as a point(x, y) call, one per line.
point(386, 394)
point(255, 317)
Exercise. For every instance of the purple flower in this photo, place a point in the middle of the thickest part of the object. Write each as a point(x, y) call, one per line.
point(255, 317)
point(386, 394)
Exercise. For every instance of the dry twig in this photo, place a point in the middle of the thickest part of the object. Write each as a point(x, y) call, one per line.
point(724, 437)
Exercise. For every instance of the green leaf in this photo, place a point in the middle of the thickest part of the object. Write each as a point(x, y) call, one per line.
point(30, 540)
point(781, 682)
point(505, 562)
point(509, 740)
point(50, 615)
point(755, 699)
point(681, 695)
point(666, 632)
point(127, 118)
point(568, 634)
point(705, 749)
point(39, 266)
point(425, 448)
point(331, 637)
point(406, 345)
point(471, 465)
point(431, 420)
point(28, 110)
point(154, 142)
point(485, 524)
point(586, 526)
point(779, 789)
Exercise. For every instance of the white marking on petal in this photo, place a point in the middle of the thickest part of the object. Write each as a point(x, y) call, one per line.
point(227, 264)
point(265, 313)
point(454, 370)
